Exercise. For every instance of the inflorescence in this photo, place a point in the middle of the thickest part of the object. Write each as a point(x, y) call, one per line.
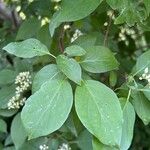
point(146, 75)
point(77, 34)
point(23, 82)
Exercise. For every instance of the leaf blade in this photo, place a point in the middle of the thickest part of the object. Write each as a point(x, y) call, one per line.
point(46, 110)
point(95, 100)
point(70, 68)
point(27, 49)
point(98, 59)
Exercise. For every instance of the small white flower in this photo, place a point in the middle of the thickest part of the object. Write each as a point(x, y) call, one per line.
point(64, 146)
point(106, 24)
point(43, 147)
point(146, 70)
point(109, 13)
point(66, 27)
point(57, 7)
point(123, 30)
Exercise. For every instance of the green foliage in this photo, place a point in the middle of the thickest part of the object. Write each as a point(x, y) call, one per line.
point(74, 74)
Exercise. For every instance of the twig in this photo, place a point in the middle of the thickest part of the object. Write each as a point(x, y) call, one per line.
point(108, 29)
point(16, 19)
point(7, 14)
point(4, 13)
point(61, 40)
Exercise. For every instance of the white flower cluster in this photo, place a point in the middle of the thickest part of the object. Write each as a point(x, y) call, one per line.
point(64, 146)
point(76, 35)
point(15, 102)
point(110, 14)
point(43, 147)
point(146, 75)
point(126, 31)
point(23, 82)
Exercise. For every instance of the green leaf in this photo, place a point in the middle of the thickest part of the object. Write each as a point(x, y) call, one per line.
point(49, 72)
point(116, 4)
point(142, 106)
point(8, 140)
point(70, 125)
point(35, 143)
point(9, 148)
point(3, 126)
point(128, 124)
point(143, 61)
point(22, 65)
point(85, 140)
point(147, 5)
point(18, 132)
point(44, 36)
point(74, 50)
point(146, 91)
point(88, 40)
point(28, 29)
point(7, 76)
point(97, 145)
point(46, 110)
point(6, 93)
point(113, 78)
point(1, 146)
point(69, 12)
point(100, 112)
point(70, 68)
point(98, 59)
point(27, 49)
point(7, 113)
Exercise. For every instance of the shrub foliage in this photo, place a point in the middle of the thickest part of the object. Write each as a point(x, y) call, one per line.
point(74, 74)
